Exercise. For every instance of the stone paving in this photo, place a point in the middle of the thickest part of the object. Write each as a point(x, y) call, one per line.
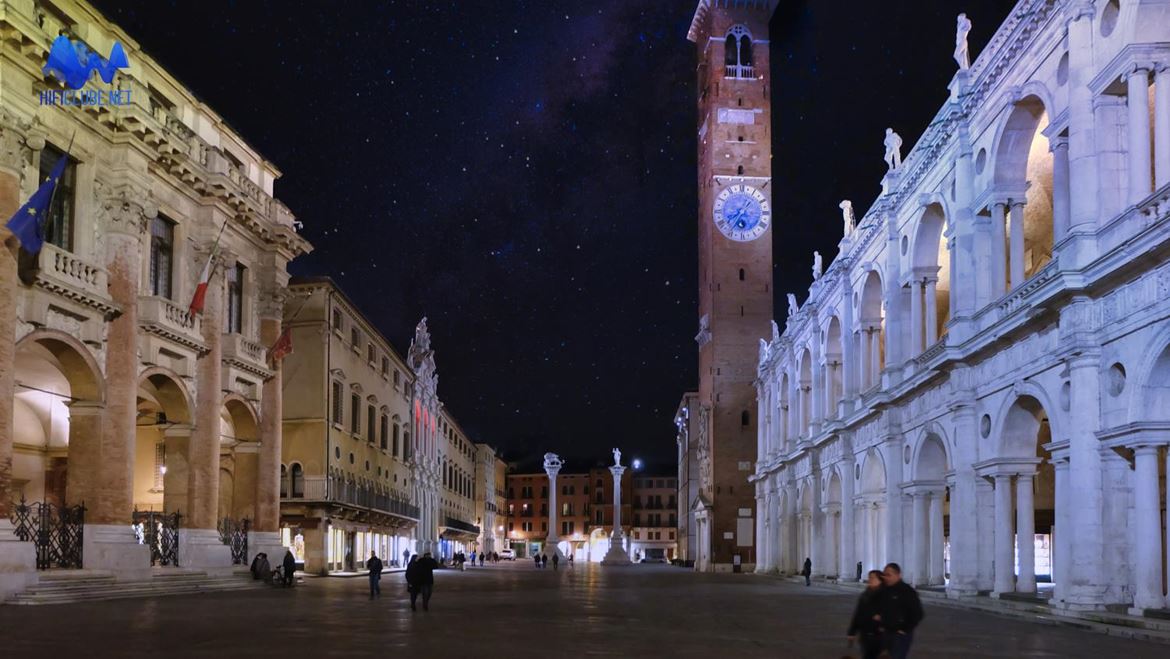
point(514, 610)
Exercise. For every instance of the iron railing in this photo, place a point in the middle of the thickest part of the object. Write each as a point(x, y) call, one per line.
point(234, 534)
point(337, 490)
point(160, 532)
point(460, 525)
point(57, 531)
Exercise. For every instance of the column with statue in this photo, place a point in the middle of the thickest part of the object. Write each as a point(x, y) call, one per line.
point(552, 466)
point(617, 554)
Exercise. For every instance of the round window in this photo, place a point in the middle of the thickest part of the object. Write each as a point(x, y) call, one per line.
point(1109, 17)
point(981, 161)
point(1115, 379)
point(985, 426)
point(337, 452)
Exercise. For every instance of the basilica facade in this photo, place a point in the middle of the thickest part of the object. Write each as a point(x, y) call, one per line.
point(978, 385)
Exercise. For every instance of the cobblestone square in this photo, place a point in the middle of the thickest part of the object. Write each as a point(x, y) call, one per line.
point(514, 610)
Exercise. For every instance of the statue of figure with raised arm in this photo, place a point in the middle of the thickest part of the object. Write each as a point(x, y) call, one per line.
point(792, 307)
point(847, 215)
point(617, 456)
point(818, 266)
point(962, 52)
point(893, 150)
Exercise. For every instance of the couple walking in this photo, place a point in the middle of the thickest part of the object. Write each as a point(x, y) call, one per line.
point(420, 579)
point(886, 615)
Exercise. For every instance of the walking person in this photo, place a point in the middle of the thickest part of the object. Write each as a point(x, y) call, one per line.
point(412, 580)
point(290, 565)
point(374, 565)
point(570, 561)
point(806, 571)
point(425, 580)
point(900, 611)
point(536, 557)
point(556, 561)
point(481, 555)
point(544, 560)
point(405, 557)
point(865, 628)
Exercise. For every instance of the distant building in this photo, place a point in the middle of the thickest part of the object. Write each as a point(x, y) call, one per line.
point(490, 499)
point(655, 523)
point(688, 477)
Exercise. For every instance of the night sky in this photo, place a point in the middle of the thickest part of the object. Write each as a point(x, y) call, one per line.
point(523, 173)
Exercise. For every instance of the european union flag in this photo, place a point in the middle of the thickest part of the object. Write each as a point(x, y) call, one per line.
point(28, 225)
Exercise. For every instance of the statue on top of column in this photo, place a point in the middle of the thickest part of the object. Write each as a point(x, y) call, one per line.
point(850, 220)
point(617, 457)
point(893, 144)
point(552, 461)
point(818, 266)
point(962, 52)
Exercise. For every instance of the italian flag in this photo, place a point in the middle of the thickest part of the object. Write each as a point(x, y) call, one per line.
point(201, 289)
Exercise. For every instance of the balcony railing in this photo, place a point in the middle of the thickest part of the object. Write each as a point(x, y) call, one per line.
point(66, 273)
point(162, 316)
point(241, 350)
point(460, 525)
point(336, 490)
point(740, 71)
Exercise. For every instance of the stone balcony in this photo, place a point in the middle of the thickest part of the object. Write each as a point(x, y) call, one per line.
point(165, 318)
point(245, 354)
point(73, 278)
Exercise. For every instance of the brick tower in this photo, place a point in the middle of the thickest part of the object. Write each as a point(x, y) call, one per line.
point(735, 265)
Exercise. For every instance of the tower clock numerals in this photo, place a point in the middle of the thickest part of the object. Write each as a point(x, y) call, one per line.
point(742, 213)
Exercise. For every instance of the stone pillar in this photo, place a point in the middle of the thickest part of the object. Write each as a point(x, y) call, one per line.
point(931, 319)
point(1161, 126)
point(849, 360)
point(1060, 191)
point(920, 543)
point(1017, 243)
point(916, 324)
point(17, 558)
point(864, 365)
point(936, 566)
point(1086, 588)
point(83, 482)
point(616, 554)
point(199, 543)
point(176, 440)
point(1082, 147)
point(763, 503)
point(848, 551)
point(895, 531)
point(1148, 537)
point(552, 466)
point(1004, 538)
point(265, 533)
point(816, 394)
point(1062, 540)
point(998, 246)
point(106, 543)
point(1025, 532)
point(965, 531)
point(985, 538)
point(1138, 102)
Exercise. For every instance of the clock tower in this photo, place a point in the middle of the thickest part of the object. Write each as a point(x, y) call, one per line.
point(735, 266)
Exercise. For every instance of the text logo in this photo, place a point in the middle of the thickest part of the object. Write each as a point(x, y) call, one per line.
point(72, 62)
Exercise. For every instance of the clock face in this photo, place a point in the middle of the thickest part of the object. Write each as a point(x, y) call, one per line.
point(742, 213)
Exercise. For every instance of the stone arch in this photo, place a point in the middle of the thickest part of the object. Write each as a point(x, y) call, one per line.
point(242, 416)
point(1145, 21)
point(239, 440)
point(871, 339)
point(931, 458)
point(164, 413)
point(931, 267)
point(873, 474)
point(1152, 400)
point(1023, 166)
point(833, 351)
point(1023, 416)
point(804, 391)
point(58, 403)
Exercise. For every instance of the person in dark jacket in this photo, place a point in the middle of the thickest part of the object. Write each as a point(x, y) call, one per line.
point(899, 610)
point(424, 574)
point(536, 557)
point(374, 565)
point(544, 560)
point(412, 580)
point(806, 571)
point(556, 562)
point(290, 566)
point(260, 567)
point(864, 628)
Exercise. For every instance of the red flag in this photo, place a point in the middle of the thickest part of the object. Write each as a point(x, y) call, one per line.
point(282, 348)
point(201, 289)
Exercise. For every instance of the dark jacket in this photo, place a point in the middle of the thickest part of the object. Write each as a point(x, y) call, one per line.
point(807, 569)
point(421, 572)
point(290, 563)
point(863, 623)
point(900, 608)
point(374, 565)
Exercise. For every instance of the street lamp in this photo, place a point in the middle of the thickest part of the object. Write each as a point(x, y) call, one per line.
point(637, 464)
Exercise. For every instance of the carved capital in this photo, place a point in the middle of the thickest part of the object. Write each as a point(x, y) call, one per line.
point(271, 301)
point(124, 209)
point(15, 153)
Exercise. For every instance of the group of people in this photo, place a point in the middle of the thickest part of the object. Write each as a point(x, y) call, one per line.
point(420, 577)
point(541, 560)
point(261, 569)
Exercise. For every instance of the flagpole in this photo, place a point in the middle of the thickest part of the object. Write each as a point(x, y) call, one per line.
point(53, 194)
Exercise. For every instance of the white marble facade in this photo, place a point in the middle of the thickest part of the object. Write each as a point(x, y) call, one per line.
point(990, 350)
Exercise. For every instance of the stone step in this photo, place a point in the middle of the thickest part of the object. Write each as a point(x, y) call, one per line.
point(121, 593)
point(82, 586)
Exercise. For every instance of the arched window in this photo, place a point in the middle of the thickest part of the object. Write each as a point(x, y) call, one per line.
point(283, 482)
point(737, 54)
point(298, 481)
point(741, 274)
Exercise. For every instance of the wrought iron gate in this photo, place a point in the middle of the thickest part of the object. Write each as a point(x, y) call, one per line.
point(57, 532)
point(160, 532)
point(234, 534)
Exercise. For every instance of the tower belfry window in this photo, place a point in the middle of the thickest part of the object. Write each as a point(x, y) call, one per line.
point(737, 54)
